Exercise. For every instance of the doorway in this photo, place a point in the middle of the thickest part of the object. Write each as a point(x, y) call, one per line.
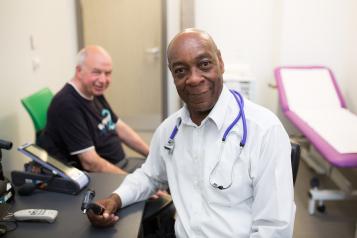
point(132, 32)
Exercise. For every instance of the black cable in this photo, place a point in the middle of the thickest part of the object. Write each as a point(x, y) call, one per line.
point(10, 225)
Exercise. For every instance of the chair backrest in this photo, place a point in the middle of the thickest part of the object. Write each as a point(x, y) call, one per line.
point(295, 159)
point(37, 105)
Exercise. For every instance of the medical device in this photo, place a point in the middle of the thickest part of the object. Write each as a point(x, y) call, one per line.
point(7, 191)
point(87, 203)
point(62, 178)
point(170, 145)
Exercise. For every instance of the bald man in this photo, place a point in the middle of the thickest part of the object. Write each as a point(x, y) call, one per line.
point(227, 178)
point(81, 126)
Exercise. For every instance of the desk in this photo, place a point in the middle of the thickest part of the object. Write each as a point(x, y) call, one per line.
point(70, 221)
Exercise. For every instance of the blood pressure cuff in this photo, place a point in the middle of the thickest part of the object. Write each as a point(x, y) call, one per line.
point(36, 168)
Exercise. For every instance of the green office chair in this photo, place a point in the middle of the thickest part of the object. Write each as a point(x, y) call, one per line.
point(37, 105)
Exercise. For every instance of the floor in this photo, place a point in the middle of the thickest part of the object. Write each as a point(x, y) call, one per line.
point(340, 217)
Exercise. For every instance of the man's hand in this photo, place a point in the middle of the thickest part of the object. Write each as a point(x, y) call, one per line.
point(159, 193)
point(110, 204)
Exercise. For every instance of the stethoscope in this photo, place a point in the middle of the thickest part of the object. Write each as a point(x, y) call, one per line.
point(170, 145)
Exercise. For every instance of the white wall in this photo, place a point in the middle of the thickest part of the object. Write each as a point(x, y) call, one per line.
point(245, 32)
point(52, 26)
point(173, 26)
point(266, 34)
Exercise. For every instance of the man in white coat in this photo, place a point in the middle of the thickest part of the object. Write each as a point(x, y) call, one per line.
point(226, 160)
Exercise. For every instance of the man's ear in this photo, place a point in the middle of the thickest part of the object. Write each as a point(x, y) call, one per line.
point(78, 70)
point(220, 61)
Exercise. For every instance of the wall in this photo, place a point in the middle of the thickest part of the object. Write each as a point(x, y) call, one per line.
point(265, 34)
point(245, 32)
point(262, 34)
point(173, 26)
point(38, 45)
point(323, 32)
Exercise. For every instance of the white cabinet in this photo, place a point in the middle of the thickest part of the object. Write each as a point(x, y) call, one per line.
point(240, 78)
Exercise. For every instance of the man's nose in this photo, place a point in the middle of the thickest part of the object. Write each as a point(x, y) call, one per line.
point(102, 77)
point(195, 77)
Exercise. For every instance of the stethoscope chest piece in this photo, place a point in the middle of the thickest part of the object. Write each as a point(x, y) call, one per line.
point(170, 145)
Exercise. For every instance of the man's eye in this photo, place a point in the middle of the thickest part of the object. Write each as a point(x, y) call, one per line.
point(96, 72)
point(179, 72)
point(205, 64)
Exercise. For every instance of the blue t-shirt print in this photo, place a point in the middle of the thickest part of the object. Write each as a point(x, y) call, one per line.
point(107, 123)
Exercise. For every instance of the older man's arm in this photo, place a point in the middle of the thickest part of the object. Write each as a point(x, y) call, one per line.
point(92, 162)
point(131, 138)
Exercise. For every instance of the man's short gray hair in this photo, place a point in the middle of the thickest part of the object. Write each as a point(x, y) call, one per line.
point(81, 56)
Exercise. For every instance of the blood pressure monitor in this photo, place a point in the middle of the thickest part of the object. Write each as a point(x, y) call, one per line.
point(65, 172)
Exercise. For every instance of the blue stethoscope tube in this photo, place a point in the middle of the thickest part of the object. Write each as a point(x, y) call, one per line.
point(240, 102)
point(241, 115)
